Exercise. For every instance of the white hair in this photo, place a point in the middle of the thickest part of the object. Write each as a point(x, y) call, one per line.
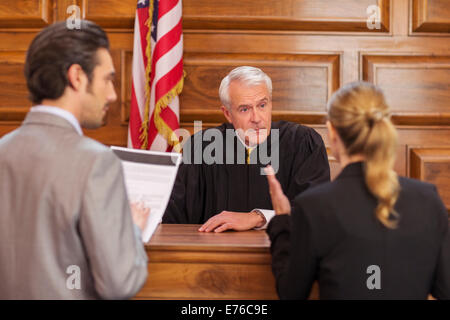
point(249, 76)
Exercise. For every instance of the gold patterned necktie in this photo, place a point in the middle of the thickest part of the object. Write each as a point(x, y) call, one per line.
point(249, 150)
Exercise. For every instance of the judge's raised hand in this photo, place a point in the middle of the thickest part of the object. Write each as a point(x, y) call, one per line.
point(230, 220)
point(280, 202)
point(140, 214)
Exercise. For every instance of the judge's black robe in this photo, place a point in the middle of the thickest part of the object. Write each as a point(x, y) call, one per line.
point(230, 184)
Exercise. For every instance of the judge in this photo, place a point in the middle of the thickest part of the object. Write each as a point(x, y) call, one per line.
point(221, 183)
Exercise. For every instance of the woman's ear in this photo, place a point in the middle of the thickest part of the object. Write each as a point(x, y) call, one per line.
point(333, 139)
point(331, 131)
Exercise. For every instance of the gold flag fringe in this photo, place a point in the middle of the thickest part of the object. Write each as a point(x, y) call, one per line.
point(160, 124)
point(143, 137)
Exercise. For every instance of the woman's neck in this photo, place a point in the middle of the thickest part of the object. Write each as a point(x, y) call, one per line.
point(346, 160)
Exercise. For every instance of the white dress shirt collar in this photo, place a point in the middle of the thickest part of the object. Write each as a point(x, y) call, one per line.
point(242, 141)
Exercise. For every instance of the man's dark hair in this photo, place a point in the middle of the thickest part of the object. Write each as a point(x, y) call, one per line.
point(54, 50)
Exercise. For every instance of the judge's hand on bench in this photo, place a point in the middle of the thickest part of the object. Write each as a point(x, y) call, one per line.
point(230, 220)
point(140, 214)
point(241, 221)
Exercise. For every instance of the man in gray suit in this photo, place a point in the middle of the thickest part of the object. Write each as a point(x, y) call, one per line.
point(66, 227)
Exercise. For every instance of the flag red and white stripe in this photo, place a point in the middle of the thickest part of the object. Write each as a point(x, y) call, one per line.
point(157, 75)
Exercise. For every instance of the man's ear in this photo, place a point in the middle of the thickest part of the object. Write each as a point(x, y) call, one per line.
point(76, 77)
point(226, 113)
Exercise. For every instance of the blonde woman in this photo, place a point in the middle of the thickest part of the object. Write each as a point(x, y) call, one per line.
point(368, 234)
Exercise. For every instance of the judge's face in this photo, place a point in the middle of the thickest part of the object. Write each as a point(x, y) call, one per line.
point(99, 92)
point(250, 111)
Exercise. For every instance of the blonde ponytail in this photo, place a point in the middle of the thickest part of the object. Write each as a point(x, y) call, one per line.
point(381, 179)
point(359, 113)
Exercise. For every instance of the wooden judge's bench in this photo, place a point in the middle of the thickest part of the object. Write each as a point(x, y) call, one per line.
point(187, 264)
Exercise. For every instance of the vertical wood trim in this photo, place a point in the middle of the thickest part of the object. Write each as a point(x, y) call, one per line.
point(124, 116)
point(84, 6)
point(419, 14)
point(385, 10)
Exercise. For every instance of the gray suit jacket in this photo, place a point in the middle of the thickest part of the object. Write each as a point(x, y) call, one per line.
point(66, 230)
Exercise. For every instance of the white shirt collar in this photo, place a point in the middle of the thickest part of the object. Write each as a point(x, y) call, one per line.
point(245, 145)
point(60, 113)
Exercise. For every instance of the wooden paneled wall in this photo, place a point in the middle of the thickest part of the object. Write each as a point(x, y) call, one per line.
point(309, 47)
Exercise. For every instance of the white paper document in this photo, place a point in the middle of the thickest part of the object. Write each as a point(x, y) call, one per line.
point(149, 178)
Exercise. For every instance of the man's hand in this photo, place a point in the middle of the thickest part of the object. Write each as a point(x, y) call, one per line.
point(140, 214)
point(229, 220)
point(280, 202)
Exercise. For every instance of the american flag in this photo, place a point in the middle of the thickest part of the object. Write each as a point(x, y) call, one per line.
point(157, 75)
